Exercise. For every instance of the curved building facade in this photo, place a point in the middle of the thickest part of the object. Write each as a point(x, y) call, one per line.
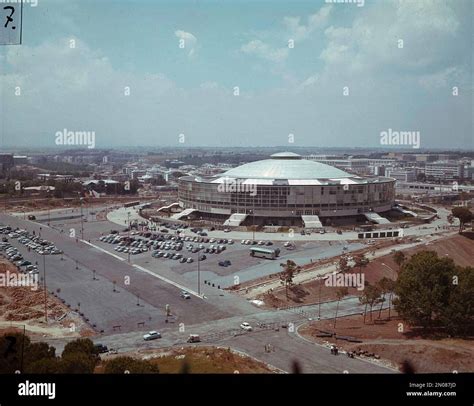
point(286, 187)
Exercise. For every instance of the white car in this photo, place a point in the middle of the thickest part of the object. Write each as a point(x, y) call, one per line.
point(246, 326)
point(152, 335)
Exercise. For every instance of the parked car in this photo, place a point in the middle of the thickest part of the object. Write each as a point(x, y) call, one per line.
point(246, 326)
point(101, 348)
point(185, 295)
point(152, 335)
point(194, 338)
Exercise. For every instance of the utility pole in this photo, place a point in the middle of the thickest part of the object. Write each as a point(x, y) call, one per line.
point(82, 222)
point(45, 290)
point(253, 220)
point(199, 274)
point(129, 226)
point(22, 348)
point(319, 300)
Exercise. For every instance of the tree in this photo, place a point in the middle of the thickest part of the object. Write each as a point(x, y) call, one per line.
point(77, 363)
point(370, 297)
point(38, 352)
point(45, 366)
point(12, 346)
point(458, 317)
point(343, 264)
point(340, 293)
point(463, 214)
point(81, 345)
point(287, 275)
point(386, 285)
point(434, 292)
point(79, 357)
point(19, 354)
point(361, 261)
point(399, 258)
point(135, 366)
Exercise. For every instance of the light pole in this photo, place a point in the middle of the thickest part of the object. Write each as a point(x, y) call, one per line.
point(199, 274)
point(253, 221)
point(45, 290)
point(319, 300)
point(129, 226)
point(82, 221)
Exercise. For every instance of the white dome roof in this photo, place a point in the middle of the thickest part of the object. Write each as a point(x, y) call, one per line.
point(285, 165)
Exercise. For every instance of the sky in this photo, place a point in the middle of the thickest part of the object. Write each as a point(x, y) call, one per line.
point(240, 73)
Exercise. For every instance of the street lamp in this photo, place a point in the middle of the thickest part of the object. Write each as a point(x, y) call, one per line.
point(199, 273)
point(45, 290)
point(82, 220)
point(129, 226)
point(319, 300)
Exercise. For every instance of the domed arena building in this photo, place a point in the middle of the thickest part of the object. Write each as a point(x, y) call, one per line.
point(284, 190)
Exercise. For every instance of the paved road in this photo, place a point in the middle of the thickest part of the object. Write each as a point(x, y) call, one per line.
point(286, 344)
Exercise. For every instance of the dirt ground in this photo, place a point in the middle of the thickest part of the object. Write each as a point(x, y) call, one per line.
point(37, 203)
point(394, 341)
point(22, 306)
point(199, 360)
point(457, 247)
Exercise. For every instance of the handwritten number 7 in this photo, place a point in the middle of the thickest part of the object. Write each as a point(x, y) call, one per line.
point(9, 18)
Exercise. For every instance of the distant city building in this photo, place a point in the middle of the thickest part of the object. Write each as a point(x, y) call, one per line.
point(6, 163)
point(361, 166)
point(52, 176)
point(444, 170)
point(173, 163)
point(20, 160)
point(402, 174)
point(138, 173)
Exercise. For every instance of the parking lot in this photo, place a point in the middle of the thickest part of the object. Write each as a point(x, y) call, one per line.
point(30, 242)
point(175, 255)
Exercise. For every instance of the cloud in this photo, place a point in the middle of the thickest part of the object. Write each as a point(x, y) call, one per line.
point(189, 41)
point(299, 32)
point(295, 31)
point(426, 28)
point(265, 51)
point(452, 76)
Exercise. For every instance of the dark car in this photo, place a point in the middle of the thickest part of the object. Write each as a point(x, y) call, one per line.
point(100, 348)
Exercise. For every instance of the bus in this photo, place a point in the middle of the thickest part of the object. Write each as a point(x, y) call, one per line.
point(267, 253)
